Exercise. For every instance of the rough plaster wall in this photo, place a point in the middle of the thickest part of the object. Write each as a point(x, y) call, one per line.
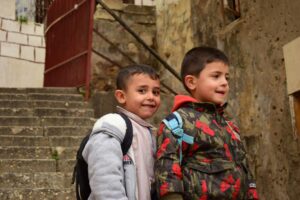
point(258, 83)
point(255, 48)
point(174, 35)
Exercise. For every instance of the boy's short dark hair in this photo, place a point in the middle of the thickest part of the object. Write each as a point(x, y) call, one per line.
point(130, 70)
point(197, 58)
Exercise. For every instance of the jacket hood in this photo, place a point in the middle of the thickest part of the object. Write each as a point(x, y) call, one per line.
point(113, 124)
point(179, 100)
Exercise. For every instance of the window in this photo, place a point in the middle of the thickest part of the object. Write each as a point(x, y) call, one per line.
point(295, 112)
point(230, 10)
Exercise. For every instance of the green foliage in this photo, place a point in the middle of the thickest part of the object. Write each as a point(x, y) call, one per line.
point(23, 19)
point(55, 155)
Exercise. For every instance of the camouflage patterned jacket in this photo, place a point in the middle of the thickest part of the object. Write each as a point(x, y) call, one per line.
point(213, 167)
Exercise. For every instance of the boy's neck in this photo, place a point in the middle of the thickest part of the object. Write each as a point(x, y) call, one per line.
point(133, 116)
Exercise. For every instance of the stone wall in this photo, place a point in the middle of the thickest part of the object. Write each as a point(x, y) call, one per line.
point(8, 9)
point(141, 20)
point(258, 95)
point(22, 54)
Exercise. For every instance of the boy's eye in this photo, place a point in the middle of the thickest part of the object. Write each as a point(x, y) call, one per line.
point(156, 92)
point(142, 91)
point(227, 78)
point(215, 75)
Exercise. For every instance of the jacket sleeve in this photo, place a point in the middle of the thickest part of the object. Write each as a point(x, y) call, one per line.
point(251, 193)
point(168, 171)
point(105, 167)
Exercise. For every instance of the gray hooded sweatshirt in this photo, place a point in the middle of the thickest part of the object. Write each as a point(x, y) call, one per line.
point(111, 176)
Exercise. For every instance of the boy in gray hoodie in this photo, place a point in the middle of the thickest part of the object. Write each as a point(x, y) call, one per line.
point(113, 176)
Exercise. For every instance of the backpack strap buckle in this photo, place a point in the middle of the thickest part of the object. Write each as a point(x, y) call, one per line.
point(174, 123)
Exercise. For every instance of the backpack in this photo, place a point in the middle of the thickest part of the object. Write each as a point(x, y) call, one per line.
point(174, 124)
point(80, 173)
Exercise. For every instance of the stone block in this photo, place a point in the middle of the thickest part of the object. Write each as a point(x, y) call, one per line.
point(27, 53)
point(9, 49)
point(28, 28)
point(102, 14)
point(142, 10)
point(43, 42)
point(3, 35)
point(10, 25)
point(35, 40)
point(145, 2)
point(17, 38)
point(40, 54)
point(39, 29)
point(114, 4)
point(8, 9)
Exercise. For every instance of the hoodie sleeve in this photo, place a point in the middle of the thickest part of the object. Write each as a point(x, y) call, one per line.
point(105, 167)
point(168, 171)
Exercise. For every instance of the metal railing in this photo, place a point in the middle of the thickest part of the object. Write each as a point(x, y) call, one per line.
point(140, 40)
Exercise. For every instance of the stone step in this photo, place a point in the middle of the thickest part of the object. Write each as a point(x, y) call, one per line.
point(50, 180)
point(65, 141)
point(11, 140)
point(30, 165)
point(40, 141)
point(30, 152)
point(42, 103)
point(67, 121)
point(38, 194)
point(66, 165)
point(22, 130)
point(41, 96)
point(22, 152)
point(12, 96)
point(67, 130)
point(56, 97)
point(19, 121)
point(59, 90)
point(75, 112)
point(46, 121)
point(46, 130)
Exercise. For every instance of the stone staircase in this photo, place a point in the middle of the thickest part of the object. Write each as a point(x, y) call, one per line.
point(40, 131)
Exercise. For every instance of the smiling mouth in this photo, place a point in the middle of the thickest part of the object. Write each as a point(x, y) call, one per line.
point(152, 106)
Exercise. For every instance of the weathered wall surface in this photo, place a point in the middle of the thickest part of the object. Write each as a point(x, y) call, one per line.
point(141, 20)
point(22, 54)
point(174, 36)
point(258, 95)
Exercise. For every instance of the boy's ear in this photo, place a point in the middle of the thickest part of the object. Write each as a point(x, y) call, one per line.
point(190, 82)
point(120, 96)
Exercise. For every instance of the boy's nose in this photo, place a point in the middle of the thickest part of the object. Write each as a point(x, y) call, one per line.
point(224, 81)
point(150, 95)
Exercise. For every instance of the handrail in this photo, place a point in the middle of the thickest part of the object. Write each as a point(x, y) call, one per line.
point(164, 63)
point(64, 15)
point(113, 45)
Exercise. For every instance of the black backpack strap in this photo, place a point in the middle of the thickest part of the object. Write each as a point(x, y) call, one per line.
point(125, 145)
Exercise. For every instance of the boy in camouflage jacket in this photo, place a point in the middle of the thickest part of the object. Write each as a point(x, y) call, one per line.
point(214, 166)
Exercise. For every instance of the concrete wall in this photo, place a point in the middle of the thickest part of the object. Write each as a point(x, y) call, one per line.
point(258, 95)
point(8, 9)
point(22, 54)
